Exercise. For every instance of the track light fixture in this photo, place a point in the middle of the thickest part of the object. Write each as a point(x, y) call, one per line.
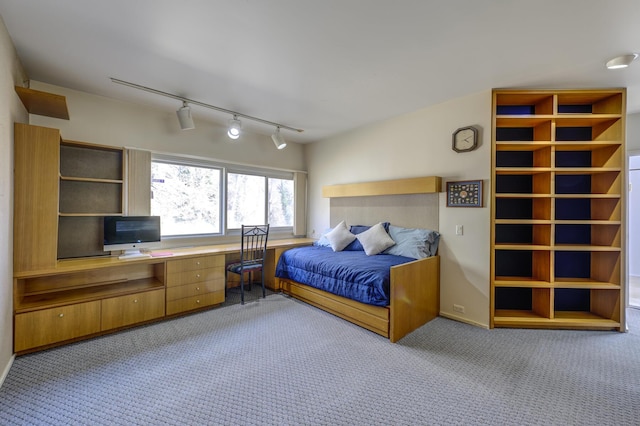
point(278, 139)
point(184, 117)
point(234, 128)
point(186, 121)
point(621, 61)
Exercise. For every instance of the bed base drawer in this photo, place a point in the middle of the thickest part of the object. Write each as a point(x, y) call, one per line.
point(373, 318)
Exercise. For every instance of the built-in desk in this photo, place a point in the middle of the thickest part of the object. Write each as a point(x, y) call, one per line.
point(81, 298)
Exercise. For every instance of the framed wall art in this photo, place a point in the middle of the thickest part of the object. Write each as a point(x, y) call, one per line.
point(465, 193)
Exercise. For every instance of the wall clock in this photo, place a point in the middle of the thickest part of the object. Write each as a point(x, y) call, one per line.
point(465, 139)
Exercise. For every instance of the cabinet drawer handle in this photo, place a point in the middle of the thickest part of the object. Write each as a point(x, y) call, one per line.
point(198, 263)
point(197, 275)
point(198, 301)
point(197, 288)
point(60, 315)
point(135, 300)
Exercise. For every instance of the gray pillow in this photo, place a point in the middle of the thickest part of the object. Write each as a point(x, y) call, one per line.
point(417, 243)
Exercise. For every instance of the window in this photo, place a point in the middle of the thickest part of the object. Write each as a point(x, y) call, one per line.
point(258, 199)
point(189, 195)
point(186, 197)
point(280, 202)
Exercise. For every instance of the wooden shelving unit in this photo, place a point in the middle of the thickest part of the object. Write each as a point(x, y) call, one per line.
point(557, 231)
point(91, 186)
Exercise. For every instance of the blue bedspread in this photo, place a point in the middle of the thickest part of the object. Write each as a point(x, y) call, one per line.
point(350, 274)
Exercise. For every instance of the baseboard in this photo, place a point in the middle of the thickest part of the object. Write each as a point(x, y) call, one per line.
point(5, 373)
point(465, 320)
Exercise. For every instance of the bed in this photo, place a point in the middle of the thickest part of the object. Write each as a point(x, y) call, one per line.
point(399, 294)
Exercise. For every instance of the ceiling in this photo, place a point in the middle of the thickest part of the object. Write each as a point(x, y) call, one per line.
point(324, 66)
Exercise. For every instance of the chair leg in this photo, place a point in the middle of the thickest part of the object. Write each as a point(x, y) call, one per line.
point(264, 294)
point(242, 288)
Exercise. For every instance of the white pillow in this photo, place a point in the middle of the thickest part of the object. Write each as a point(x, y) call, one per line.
point(375, 240)
point(340, 237)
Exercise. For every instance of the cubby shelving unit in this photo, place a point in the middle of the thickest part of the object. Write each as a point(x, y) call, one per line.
point(558, 190)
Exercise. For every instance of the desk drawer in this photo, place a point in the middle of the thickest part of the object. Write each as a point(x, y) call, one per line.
point(194, 302)
point(195, 263)
point(132, 308)
point(39, 328)
point(196, 276)
point(180, 292)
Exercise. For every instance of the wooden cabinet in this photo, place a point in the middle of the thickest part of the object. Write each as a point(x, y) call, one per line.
point(74, 302)
point(558, 190)
point(35, 226)
point(195, 283)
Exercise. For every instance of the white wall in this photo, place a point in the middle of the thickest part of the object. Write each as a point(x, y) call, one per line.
point(106, 121)
point(633, 206)
point(412, 145)
point(11, 109)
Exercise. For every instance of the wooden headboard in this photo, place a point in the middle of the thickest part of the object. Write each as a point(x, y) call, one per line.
point(411, 203)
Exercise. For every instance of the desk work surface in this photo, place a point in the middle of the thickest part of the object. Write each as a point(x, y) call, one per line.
point(165, 254)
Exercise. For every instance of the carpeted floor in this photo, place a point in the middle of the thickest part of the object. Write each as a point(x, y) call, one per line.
point(280, 361)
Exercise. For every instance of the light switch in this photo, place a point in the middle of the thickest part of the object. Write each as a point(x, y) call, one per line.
point(459, 229)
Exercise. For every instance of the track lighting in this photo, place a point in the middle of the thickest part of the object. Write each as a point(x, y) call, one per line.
point(278, 139)
point(186, 121)
point(184, 117)
point(234, 128)
point(621, 61)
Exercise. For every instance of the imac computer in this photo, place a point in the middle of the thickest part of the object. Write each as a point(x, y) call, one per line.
point(131, 234)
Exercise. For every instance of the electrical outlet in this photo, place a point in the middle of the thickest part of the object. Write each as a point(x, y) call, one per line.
point(458, 308)
point(459, 230)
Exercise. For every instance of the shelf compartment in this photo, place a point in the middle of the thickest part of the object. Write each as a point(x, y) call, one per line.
point(80, 236)
point(587, 209)
point(607, 156)
point(589, 128)
point(587, 266)
point(594, 182)
point(588, 235)
point(521, 158)
point(527, 129)
point(523, 208)
point(523, 302)
point(524, 103)
point(90, 197)
point(79, 159)
point(530, 182)
point(599, 102)
point(533, 265)
point(58, 290)
point(588, 304)
point(522, 233)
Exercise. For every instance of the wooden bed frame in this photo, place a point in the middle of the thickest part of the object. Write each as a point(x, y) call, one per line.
point(414, 286)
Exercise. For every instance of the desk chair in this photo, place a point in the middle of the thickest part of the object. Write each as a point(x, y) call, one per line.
point(253, 249)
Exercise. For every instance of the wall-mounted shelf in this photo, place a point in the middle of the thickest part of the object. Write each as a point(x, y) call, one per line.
point(422, 185)
point(43, 103)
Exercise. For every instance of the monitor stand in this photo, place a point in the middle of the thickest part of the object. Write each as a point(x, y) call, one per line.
point(132, 254)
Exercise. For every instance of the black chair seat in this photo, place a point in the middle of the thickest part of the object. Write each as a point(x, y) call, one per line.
point(237, 267)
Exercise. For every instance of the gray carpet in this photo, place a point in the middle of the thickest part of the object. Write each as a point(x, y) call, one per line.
point(279, 361)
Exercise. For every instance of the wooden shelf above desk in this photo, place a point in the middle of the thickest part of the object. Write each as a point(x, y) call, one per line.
point(43, 103)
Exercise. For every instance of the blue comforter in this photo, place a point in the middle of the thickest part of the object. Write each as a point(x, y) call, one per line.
point(351, 274)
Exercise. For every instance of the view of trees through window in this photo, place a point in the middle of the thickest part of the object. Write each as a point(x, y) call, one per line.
point(246, 200)
point(188, 199)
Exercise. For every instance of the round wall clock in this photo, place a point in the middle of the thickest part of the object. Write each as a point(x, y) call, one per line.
point(465, 139)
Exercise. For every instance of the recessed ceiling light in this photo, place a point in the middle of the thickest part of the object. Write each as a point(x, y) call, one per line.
point(621, 61)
